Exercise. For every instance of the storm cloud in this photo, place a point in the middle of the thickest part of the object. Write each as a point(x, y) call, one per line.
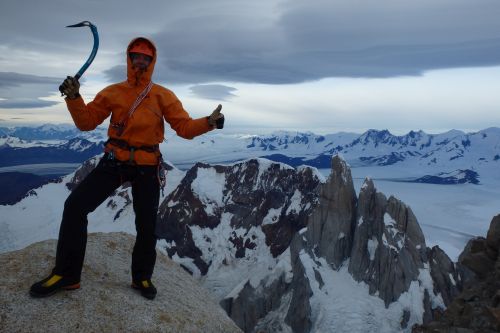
point(311, 40)
point(22, 91)
point(296, 41)
point(25, 103)
point(213, 91)
point(236, 41)
point(11, 79)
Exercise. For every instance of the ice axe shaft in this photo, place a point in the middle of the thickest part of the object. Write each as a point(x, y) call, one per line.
point(92, 55)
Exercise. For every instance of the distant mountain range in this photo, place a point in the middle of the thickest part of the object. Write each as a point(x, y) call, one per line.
point(49, 132)
point(372, 148)
point(75, 150)
point(42, 146)
point(381, 148)
point(453, 157)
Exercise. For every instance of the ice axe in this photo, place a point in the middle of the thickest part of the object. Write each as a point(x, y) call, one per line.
point(87, 63)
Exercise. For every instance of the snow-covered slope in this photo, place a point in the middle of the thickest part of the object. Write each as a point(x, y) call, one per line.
point(227, 223)
point(37, 216)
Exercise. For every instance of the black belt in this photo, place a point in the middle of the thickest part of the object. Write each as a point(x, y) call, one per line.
point(125, 146)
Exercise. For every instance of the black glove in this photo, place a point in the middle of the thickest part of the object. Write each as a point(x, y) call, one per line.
point(216, 119)
point(70, 87)
point(219, 123)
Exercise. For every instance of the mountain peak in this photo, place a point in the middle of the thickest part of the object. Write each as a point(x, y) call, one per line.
point(375, 137)
point(105, 302)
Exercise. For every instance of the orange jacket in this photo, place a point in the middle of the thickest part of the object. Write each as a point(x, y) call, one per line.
point(145, 127)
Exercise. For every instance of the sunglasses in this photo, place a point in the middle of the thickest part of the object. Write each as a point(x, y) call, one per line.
point(135, 56)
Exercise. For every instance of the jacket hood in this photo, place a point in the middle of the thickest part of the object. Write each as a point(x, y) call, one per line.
point(132, 73)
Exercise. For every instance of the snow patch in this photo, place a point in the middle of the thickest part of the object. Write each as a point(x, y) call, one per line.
point(372, 245)
point(227, 273)
point(209, 186)
point(426, 283)
point(386, 243)
point(272, 216)
point(345, 305)
point(452, 279)
point(360, 221)
point(389, 221)
point(295, 201)
point(316, 173)
point(188, 263)
point(365, 183)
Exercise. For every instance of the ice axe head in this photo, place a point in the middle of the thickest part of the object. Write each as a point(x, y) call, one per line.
point(92, 55)
point(81, 24)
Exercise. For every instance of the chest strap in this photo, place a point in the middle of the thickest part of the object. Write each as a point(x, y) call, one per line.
point(122, 124)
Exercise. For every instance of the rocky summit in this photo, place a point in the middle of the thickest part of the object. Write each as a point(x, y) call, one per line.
point(105, 302)
point(477, 307)
point(379, 242)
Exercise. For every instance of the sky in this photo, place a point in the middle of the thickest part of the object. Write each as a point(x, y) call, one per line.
point(323, 66)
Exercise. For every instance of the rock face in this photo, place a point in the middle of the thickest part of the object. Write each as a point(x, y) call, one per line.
point(82, 172)
point(477, 308)
point(232, 227)
point(237, 228)
point(299, 311)
point(330, 227)
point(272, 198)
point(378, 241)
point(105, 302)
point(387, 235)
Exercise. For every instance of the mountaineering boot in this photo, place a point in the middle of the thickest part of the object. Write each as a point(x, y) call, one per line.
point(52, 284)
point(146, 288)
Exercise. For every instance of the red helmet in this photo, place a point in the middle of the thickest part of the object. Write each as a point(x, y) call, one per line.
point(141, 46)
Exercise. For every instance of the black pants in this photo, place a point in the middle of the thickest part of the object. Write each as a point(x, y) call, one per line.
point(88, 195)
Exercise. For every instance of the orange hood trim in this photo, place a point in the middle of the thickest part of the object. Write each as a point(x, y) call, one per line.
point(135, 78)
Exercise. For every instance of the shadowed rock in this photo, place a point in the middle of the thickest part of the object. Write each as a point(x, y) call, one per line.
point(477, 307)
point(389, 246)
point(330, 226)
point(381, 242)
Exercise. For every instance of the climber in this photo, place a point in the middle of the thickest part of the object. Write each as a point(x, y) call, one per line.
point(138, 108)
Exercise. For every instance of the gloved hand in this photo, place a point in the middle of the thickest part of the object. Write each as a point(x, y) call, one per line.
point(70, 87)
point(216, 119)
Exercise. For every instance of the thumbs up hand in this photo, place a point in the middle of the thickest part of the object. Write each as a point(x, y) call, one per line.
point(216, 119)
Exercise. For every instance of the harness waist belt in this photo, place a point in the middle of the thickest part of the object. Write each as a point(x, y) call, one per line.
point(124, 145)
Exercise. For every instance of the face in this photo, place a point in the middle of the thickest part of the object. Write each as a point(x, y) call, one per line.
point(140, 61)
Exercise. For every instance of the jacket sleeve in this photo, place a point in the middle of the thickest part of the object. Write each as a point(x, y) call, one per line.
point(182, 123)
point(88, 117)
